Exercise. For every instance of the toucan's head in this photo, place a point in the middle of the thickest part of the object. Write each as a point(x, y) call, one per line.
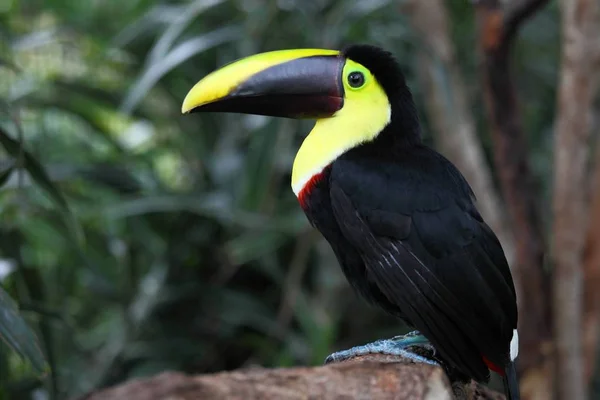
point(354, 95)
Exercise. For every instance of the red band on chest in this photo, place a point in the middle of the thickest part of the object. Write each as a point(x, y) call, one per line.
point(309, 186)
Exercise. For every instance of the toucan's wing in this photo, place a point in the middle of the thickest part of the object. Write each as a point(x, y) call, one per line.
point(429, 252)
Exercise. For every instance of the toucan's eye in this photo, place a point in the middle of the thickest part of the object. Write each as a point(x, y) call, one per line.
point(356, 79)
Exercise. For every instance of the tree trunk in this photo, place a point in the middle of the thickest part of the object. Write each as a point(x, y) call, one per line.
point(576, 92)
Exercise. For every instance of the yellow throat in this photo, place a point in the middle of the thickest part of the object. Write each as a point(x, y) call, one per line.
point(366, 112)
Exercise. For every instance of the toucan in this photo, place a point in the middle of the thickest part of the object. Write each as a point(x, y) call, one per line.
point(400, 218)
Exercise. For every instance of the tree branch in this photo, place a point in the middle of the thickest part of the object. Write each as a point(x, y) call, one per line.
point(503, 23)
point(366, 377)
point(517, 12)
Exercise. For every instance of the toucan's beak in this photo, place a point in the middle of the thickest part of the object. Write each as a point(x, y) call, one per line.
point(288, 83)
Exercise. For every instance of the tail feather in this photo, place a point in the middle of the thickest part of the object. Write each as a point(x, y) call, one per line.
point(511, 385)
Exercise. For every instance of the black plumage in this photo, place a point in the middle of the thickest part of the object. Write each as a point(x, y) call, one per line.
point(403, 224)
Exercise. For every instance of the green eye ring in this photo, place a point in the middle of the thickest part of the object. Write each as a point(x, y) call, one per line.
point(356, 79)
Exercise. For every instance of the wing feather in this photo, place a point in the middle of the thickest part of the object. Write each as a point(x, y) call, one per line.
point(438, 264)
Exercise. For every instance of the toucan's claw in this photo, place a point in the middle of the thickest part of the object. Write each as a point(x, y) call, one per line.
point(396, 346)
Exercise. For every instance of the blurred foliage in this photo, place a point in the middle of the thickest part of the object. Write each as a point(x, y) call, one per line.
point(135, 240)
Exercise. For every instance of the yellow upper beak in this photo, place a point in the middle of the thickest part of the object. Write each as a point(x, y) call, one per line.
point(260, 83)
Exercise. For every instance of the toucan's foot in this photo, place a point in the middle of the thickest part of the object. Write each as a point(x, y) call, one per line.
point(406, 346)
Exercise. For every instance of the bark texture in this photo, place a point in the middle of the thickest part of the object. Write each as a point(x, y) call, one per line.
point(498, 23)
point(573, 126)
point(367, 377)
point(591, 283)
point(449, 111)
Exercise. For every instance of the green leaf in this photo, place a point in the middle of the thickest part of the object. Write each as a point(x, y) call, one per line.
point(176, 27)
point(40, 176)
point(178, 54)
point(6, 63)
point(5, 174)
point(15, 332)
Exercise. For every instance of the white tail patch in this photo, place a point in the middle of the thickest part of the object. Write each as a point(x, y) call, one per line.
point(514, 346)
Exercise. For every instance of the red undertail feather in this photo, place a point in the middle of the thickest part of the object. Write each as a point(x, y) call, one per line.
point(493, 367)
